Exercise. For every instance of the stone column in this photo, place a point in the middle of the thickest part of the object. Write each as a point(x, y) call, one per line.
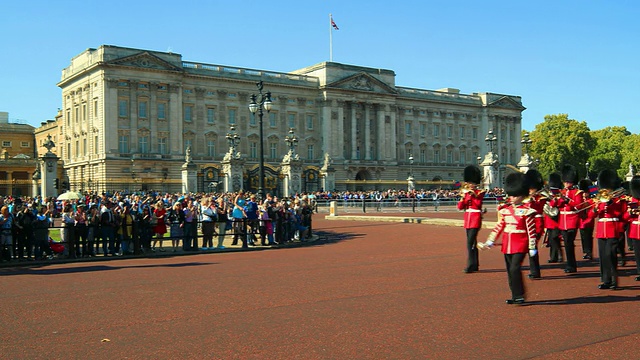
point(35, 190)
point(367, 131)
point(354, 132)
point(490, 171)
point(394, 134)
point(327, 173)
point(380, 145)
point(233, 168)
point(340, 145)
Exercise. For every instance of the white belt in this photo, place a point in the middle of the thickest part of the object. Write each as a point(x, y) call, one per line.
point(568, 212)
point(511, 229)
point(473, 210)
point(539, 215)
point(635, 222)
point(608, 219)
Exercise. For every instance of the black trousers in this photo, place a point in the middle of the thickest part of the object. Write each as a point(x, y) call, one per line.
point(636, 253)
point(569, 237)
point(555, 252)
point(473, 263)
point(534, 264)
point(514, 274)
point(608, 260)
point(586, 238)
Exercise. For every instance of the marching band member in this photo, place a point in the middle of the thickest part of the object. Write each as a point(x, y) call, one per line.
point(471, 204)
point(587, 219)
point(568, 220)
point(634, 223)
point(551, 220)
point(536, 202)
point(610, 211)
point(518, 228)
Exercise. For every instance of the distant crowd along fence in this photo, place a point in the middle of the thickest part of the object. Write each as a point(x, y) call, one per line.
point(405, 204)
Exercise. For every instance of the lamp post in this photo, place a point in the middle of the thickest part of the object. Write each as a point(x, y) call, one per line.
point(263, 103)
point(586, 167)
point(411, 165)
point(413, 195)
point(233, 138)
point(526, 142)
point(490, 139)
point(292, 141)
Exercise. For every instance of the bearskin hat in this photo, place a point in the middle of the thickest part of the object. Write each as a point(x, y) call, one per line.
point(569, 174)
point(584, 185)
point(535, 179)
point(473, 174)
point(555, 181)
point(516, 184)
point(608, 179)
point(634, 187)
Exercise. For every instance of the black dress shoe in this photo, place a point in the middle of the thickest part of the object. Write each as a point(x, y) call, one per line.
point(517, 301)
point(570, 270)
point(551, 261)
point(467, 271)
point(622, 263)
point(615, 287)
point(604, 286)
point(534, 276)
point(637, 278)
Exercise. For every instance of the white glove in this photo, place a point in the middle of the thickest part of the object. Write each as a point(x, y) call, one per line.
point(488, 244)
point(533, 252)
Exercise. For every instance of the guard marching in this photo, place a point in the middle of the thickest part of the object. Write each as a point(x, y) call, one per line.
point(471, 204)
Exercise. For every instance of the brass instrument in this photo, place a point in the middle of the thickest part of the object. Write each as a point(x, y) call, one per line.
point(468, 187)
point(605, 195)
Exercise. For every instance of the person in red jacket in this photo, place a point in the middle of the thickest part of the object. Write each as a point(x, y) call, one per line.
point(587, 219)
point(536, 201)
point(551, 213)
point(611, 211)
point(568, 204)
point(517, 225)
point(471, 204)
point(633, 209)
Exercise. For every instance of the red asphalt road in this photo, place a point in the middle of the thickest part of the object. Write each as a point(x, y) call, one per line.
point(370, 291)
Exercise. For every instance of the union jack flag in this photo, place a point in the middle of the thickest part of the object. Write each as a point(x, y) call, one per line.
point(333, 23)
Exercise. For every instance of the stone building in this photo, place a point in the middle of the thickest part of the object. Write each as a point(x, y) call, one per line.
point(128, 115)
point(17, 157)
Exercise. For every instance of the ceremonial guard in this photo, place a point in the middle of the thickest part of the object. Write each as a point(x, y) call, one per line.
point(568, 203)
point(587, 219)
point(517, 225)
point(536, 201)
point(471, 204)
point(551, 219)
point(633, 209)
point(610, 209)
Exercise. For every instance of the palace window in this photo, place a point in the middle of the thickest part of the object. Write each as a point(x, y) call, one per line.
point(407, 128)
point(462, 129)
point(232, 116)
point(211, 148)
point(272, 119)
point(123, 106)
point(463, 156)
point(142, 109)
point(188, 113)
point(162, 109)
point(310, 154)
point(423, 129)
point(273, 150)
point(143, 144)
point(162, 145)
point(436, 130)
point(253, 150)
point(25, 144)
point(474, 133)
point(449, 131)
point(123, 144)
point(309, 122)
point(449, 157)
point(211, 115)
point(292, 120)
point(423, 155)
point(436, 156)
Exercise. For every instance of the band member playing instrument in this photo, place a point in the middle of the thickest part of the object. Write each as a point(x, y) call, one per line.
point(551, 220)
point(471, 204)
point(634, 222)
point(587, 219)
point(569, 216)
point(518, 228)
point(610, 210)
point(536, 201)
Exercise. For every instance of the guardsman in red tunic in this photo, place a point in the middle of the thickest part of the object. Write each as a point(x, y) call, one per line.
point(568, 203)
point(471, 204)
point(611, 211)
point(536, 201)
point(633, 209)
point(518, 228)
point(587, 219)
point(551, 213)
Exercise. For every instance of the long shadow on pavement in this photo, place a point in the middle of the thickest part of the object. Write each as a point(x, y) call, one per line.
point(41, 270)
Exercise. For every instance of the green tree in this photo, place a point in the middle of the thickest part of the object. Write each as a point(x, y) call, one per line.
point(629, 153)
point(559, 140)
point(607, 152)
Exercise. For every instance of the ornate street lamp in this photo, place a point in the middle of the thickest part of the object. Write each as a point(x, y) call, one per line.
point(261, 102)
point(411, 165)
point(233, 138)
point(490, 139)
point(291, 140)
point(586, 167)
point(526, 142)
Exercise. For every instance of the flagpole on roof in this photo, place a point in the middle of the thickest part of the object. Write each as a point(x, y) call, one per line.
point(330, 38)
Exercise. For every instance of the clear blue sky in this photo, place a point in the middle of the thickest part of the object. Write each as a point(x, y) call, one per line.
point(576, 57)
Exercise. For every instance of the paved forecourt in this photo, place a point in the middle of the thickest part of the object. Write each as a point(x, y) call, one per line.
point(364, 290)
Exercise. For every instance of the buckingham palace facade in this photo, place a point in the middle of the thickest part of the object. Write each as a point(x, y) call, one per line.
point(128, 116)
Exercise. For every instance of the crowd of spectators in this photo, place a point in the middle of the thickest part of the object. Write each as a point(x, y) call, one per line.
point(116, 224)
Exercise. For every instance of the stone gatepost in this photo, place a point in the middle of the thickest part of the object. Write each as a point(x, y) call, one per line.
point(49, 166)
point(35, 188)
point(328, 174)
point(189, 174)
point(291, 168)
point(526, 163)
point(490, 171)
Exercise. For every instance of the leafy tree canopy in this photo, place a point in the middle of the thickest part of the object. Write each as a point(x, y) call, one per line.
point(607, 152)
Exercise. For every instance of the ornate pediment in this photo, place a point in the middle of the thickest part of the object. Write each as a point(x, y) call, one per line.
point(506, 102)
point(362, 82)
point(145, 60)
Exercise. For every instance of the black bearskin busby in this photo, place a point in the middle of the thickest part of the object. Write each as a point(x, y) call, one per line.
point(569, 174)
point(634, 187)
point(516, 184)
point(534, 178)
point(584, 185)
point(473, 174)
point(608, 179)
point(555, 181)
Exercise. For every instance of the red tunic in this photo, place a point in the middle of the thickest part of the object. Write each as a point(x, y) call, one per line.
point(537, 203)
point(610, 218)
point(569, 204)
point(587, 215)
point(518, 228)
point(471, 203)
point(632, 218)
